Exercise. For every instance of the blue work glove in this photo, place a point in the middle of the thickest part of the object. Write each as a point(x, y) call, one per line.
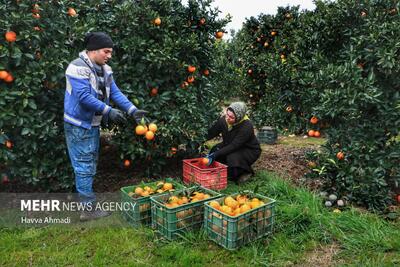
point(117, 116)
point(139, 115)
point(211, 158)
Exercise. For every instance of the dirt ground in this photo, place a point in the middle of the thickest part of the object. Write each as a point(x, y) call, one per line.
point(287, 161)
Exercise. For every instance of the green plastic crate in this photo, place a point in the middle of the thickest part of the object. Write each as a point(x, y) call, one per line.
point(140, 213)
point(232, 232)
point(172, 222)
point(267, 135)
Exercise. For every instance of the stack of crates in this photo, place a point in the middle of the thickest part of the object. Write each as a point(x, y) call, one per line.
point(213, 177)
point(174, 220)
point(140, 211)
point(232, 232)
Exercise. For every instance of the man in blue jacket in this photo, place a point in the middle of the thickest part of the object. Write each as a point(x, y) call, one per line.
point(89, 89)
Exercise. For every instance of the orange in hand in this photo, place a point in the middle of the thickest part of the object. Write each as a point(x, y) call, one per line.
point(149, 135)
point(140, 130)
point(153, 127)
point(205, 161)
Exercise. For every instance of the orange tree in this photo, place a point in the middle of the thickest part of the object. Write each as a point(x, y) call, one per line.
point(155, 43)
point(338, 63)
point(271, 63)
point(166, 68)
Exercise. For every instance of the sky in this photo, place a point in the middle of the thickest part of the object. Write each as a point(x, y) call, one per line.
point(242, 9)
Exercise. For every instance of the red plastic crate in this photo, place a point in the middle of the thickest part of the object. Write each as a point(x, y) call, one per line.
point(213, 177)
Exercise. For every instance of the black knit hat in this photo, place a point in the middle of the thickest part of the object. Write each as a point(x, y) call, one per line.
point(98, 40)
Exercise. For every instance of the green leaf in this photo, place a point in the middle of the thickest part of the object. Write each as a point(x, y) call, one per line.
point(25, 131)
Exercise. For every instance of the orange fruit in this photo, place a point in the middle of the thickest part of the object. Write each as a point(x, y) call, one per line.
point(314, 120)
point(191, 69)
point(140, 130)
point(233, 204)
point(139, 190)
point(266, 44)
point(71, 12)
point(289, 109)
point(157, 21)
point(145, 194)
point(127, 163)
point(184, 200)
point(147, 188)
point(312, 164)
point(190, 79)
point(241, 199)
point(283, 56)
point(250, 71)
point(167, 186)
point(214, 204)
point(255, 204)
point(244, 208)
point(36, 8)
point(11, 36)
point(173, 199)
point(153, 127)
point(3, 74)
point(236, 212)
point(226, 210)
point(149, 135)
point(205, 161)
point(317, 134)
point(154, 91)
point(206, 72)
point(37, 28)
point(219, 34)
point(340, 155)
point(9, 78)
point(199, 195)
point(9, 144)
point(228, 199)
point(273, 33)
point(173, 150)
point(36, 15)
point(184, 85)
point(311, 133)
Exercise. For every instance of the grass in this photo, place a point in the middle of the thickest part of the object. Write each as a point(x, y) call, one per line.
point(299, 141)
point(306, 234)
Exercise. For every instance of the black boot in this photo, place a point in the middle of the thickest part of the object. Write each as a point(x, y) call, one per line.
point(87, 215)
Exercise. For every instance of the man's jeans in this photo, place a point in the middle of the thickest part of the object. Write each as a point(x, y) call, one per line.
point(83, 150)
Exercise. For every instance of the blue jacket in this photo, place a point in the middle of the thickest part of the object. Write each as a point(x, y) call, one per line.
point(81, 95)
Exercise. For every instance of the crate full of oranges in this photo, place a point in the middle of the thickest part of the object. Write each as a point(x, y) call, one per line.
point(181, 211)
point(239, 219)
point(139, 196)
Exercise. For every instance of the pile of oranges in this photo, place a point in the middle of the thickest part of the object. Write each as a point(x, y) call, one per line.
point(314, 133)
point(147, 131)
point(235, 206)
point(176, 201)
point(146, 191)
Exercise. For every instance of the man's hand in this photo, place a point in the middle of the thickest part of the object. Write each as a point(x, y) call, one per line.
point(117, 116)
point(139, 114)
